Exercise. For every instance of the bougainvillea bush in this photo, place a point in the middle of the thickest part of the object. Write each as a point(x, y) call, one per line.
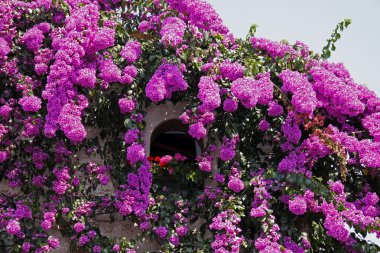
point(291, 152)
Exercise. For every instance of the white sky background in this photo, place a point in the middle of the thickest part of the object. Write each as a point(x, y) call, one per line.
point(312, 22)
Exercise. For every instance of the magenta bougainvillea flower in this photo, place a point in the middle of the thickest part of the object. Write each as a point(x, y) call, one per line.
point(131, 51)
point(126, 105)
point(244, 89)
point(30, 103)
point(172, 31)
point(167, 79)
point(298, 206)
point(266, 146)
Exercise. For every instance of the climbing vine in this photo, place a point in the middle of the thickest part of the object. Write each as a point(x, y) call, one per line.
point(290, 161)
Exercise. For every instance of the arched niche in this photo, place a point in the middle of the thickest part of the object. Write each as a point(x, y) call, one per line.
point(172, 137)
point(163, 119)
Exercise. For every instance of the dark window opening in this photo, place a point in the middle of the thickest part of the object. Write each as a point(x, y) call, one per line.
point(170, 138)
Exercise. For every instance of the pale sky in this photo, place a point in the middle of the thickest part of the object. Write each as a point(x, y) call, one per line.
point(312, 21)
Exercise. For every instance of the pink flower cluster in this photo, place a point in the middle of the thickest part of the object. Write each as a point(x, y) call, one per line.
point(298, 205)
point(291, 130)
point(70, 122)
point(197, 130)
point(228, 238)
point(4, 48)
point(126, 105)
point(161, 232)
point(244, 89)
point(201, 14)
point(109, 71)
point(227, 151)
point(275, 109)
point(250, 91)
point(172, 31)
point(62, 184)
point(335, 95)
point(372, 124)
point(368, 151)
point(167, 79)
point(87, 77)
point(230, 105)
point(235, 184)
point(131, 51)
point(208, 94)
point(131, 136)
point(34, 37)
point(273, 48)
point(231, 71)
point(30, 103)
point(135, 153)
point(205, 164)
point(304, 98)
point(59, 90)
point(260, 204)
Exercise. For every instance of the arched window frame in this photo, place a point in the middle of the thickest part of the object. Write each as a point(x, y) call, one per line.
point(175, 127)
point(156, 114)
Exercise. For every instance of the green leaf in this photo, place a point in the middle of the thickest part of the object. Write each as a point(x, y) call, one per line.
point(335, 36)
point(252, 31)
